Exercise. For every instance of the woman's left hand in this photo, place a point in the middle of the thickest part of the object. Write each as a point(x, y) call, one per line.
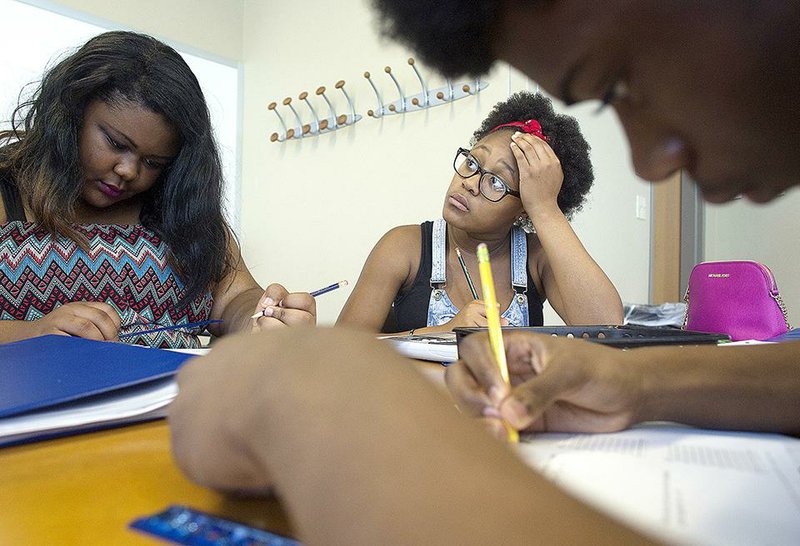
point(279, 307)
point(540, 174)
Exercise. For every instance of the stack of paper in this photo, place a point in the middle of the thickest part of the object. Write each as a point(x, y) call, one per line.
point(434, 347)
point(58, 385)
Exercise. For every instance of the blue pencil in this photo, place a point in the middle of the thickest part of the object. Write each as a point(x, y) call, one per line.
point(327, 289)
point(314, 294)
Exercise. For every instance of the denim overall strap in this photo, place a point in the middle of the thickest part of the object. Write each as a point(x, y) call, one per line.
point(439, 253)
point(440, 308)
point(517, 312)
point(519, 260)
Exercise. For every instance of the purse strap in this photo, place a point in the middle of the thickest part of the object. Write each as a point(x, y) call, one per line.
point(777, 297)
point(686, 314)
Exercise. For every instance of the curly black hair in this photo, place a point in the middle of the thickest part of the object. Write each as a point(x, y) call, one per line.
point(564, 137)
point(452, 36)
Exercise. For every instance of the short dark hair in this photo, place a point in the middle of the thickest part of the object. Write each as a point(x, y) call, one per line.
point(564, 137)
point(185, 207)
point(452, 36)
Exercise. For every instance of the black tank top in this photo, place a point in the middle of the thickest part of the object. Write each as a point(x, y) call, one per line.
point(410, 307)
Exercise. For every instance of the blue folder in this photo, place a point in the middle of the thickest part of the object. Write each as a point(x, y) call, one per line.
point(52, 373)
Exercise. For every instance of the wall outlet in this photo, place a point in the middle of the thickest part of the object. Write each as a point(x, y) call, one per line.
point(641, 208)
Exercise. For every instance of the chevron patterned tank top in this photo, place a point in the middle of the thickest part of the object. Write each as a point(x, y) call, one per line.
point(126, 267)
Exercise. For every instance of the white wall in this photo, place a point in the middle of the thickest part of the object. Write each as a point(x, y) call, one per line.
point(314, 208)
point(212, 26)
point(765, 233)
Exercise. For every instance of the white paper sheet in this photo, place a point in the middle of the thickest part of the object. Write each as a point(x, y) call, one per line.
point(434, 347)
point(683, 485)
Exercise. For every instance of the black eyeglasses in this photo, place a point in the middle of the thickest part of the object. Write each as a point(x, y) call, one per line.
point(491, 186)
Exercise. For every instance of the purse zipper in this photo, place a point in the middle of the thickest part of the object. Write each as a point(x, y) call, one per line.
point(770, 277)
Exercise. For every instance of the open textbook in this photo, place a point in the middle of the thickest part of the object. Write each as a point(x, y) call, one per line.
point(682, 485)
point(58, 385)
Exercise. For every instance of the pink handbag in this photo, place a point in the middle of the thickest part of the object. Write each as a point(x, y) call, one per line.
point(738, 298)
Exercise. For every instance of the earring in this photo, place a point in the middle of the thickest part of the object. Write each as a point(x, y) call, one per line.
point(523, 221)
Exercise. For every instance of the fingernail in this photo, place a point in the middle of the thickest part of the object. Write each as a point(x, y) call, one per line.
point(514, 412)
point(490, 411)
point(496, 395)
point(267, 312)
point(267, 301)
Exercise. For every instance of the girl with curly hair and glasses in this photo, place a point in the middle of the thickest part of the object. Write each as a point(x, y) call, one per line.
point(527, 172)
point(111, 220)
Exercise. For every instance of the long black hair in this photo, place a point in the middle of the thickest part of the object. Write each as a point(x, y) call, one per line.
point(184, 208)
point(564, 137)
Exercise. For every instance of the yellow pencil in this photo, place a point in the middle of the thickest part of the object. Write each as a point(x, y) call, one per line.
point(493, 318)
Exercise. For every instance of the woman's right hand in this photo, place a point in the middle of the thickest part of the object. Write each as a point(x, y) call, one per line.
point(87, 319)
point(471, 315)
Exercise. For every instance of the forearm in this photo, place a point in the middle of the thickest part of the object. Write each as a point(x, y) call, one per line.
point(362, 312)
point(370, 302)
point(586, 294)
point(237, 315)
point(392, 462)
point(15, 330)
point(743, 388)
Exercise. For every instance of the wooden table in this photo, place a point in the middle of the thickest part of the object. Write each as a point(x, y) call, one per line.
point(86, 489)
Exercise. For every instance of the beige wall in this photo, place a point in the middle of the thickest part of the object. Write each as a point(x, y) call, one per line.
point(314, 208)
point(765, 233)
point(212, 26)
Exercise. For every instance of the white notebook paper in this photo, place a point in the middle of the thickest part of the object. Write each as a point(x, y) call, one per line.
point(682, 485)
point(433, 347)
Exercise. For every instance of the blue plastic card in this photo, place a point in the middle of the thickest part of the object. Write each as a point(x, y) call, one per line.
point(183, 525)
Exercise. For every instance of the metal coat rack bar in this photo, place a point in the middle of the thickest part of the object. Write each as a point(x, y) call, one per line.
point(317, 125)
point(426, 98)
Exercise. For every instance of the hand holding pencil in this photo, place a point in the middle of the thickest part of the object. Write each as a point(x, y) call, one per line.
point(278, 307)
point(493, 318)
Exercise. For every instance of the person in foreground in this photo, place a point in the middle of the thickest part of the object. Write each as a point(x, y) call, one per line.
point(111, 217)
point(708, 86)
point(515, 189)
point(361, 449)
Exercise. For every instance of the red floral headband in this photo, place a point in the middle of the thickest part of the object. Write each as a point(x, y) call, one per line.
point(531, 127)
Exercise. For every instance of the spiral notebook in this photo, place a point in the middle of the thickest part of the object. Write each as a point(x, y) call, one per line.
point(58, 385)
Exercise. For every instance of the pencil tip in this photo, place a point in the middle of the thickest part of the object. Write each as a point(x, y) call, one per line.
point(343, 283)
point(458, 251)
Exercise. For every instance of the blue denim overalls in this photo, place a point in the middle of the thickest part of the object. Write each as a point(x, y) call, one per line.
point(441, 309)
